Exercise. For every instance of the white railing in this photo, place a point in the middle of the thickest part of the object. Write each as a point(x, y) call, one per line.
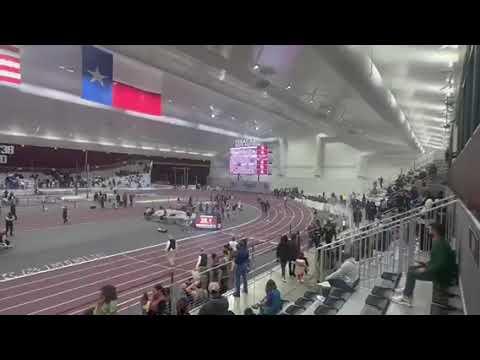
point(387, 246)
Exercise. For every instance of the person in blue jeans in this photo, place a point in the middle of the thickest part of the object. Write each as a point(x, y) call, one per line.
point(242, 266)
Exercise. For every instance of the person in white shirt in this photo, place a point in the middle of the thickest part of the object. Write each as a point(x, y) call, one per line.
point(346, 276)
point(233, 244)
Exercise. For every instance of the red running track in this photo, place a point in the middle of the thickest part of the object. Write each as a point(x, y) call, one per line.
point(73, 289)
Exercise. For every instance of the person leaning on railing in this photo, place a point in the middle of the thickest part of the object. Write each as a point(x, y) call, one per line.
point(441, 269)
point(347, 275)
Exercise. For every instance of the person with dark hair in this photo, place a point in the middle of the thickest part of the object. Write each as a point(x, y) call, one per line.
point(441, 269)
point(65, 214)
point(9, 223)
point(217, 304)
point(171, 248)
point(242, 267)
point(283, 254)
point(158, 301)
point(272, 303)
point(13, 207)
point(107, 303)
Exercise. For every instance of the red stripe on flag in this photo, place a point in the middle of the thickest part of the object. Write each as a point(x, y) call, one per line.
point(130, 98)
point(10, 58)
point(9, 69)
point(10, 48)
point(10, 80)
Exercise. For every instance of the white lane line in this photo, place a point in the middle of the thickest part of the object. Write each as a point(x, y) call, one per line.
point(91, 294)
point(148, 286)
point(145, 287)
point(139, 249)
point(301, 208)
point(212, 241)
point(79, 287)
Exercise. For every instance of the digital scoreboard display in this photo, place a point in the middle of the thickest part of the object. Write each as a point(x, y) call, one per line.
point(207, 222)
point(250, 160)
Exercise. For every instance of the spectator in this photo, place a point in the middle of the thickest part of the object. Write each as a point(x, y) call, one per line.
point(145, 303)
point(124, 200)
point(201, 267)
point(292, 254)
point(242, 267)
point(272, 304)
point(346, 276)
point(13, 207)
point(215, 269)
point(441, 269)
point(9, 223)
point(217, 304)
point(65, 214)
point(225, 270)
point(158, 301)
point(301, 267)
point(183, 306)
point(283, 254)
point(107, 303)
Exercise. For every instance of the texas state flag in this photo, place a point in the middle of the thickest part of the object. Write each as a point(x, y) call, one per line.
point(99, 85)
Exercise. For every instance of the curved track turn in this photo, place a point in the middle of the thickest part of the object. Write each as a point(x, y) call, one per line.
point(73, 289)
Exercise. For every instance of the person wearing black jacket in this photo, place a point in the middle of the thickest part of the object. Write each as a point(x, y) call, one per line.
point(13, 208)
point(293, 254)
point(9, 223)
point(283, 254)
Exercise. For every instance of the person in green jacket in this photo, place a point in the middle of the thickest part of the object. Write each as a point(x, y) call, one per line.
point(441, 269)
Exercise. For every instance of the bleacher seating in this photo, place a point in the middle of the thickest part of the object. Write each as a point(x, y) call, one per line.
point(320, 302)
point(379, 299)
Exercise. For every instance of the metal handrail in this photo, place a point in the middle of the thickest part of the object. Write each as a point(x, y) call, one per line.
point(385, 221)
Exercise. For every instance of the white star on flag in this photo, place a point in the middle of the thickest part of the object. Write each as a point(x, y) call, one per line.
point(97, 76)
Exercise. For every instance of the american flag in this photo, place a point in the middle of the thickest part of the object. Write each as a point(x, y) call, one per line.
point(10, 71)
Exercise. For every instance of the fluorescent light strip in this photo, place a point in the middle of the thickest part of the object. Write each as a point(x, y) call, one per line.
point(66, 97)
point(103, 143)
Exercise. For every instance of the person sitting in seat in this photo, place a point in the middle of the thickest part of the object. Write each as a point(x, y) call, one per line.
point(272, 303)
point(217, 304)
point(346, 276)
point(441, 269)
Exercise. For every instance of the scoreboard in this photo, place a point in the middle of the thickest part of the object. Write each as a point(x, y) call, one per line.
point(250, 160)
point(6, 150)
point(207, 222)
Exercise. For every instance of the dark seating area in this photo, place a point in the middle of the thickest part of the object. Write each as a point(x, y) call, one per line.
point(446, 301)
point(379, 298)
point(326, 302)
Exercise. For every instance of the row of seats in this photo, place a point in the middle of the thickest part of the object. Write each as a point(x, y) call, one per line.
point(320, 303)
point(379, 298)
point(446, 301)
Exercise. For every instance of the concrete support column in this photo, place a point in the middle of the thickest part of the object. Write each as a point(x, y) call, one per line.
point(320, 155)
point(282, 158)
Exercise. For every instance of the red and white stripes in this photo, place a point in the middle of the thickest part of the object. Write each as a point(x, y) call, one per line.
point(10, 70)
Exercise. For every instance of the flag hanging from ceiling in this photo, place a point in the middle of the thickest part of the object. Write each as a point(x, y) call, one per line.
point(100, 83)
point(10, 71)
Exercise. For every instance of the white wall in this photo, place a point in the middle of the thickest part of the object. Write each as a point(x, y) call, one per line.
point(341, 171)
